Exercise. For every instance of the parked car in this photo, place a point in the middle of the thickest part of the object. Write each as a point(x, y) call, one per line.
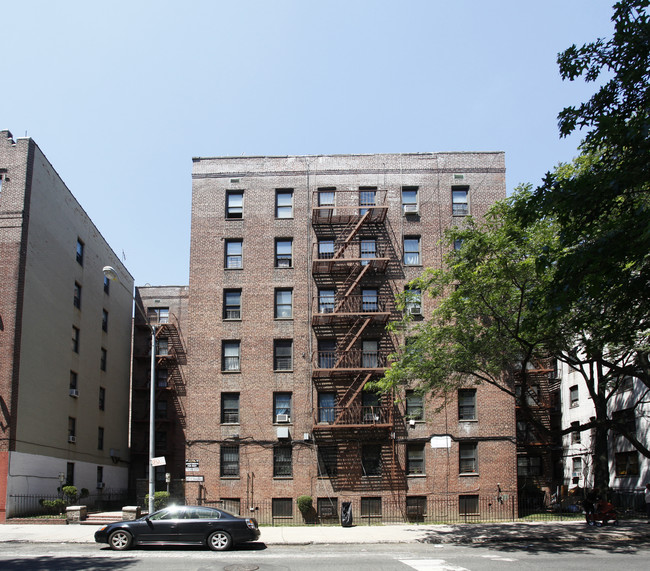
point(181, 525)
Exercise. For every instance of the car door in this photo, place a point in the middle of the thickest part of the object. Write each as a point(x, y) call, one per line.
point(197, 524)
point(161, 527)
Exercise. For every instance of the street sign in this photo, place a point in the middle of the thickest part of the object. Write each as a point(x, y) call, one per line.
point(191, 465)
point(194, 478)
point(159, 461)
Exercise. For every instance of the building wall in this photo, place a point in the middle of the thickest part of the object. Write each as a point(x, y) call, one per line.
point(36, 390)
point(482, 174)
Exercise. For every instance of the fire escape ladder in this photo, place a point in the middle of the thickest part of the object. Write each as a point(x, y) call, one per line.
point(350, 284)
point(349, 397)
point(346, 242)
point(351, 338)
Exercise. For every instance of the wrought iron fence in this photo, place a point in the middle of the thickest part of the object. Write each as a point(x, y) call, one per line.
point(26, 505)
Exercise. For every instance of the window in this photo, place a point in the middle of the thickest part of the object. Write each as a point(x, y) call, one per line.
point(104, 320)
point(232, 304)
point(284, 203)
point(73, 380)
point(529, 465)
point(281, 407)
point(459, 206)
point(283, 252)
point(282, 507)
point(574, 397)
point(161, 409)
point(327, 508)
point(416, 507)
point(107, 285)
point(371, 459)
point(415, 459)
point(102, 359)
point(234, 204)
point(282, 461)
point(234, 254)
point(410, 199)
point(69, 474)
point(326, 353)
point(525, 432)
point(627, 463)
point(230, 350)
point(367, 197)
point(325, 249)
point(72, 429)
point(370, 354)
point(370, 507)
point(467, 404)
point(283, 303)
point(414, 406)
point(283, 355)
point(626, 420)
point(230, 408)
point(575, 435)
point(229, 461)
point(412, 251)
point(327, 460)
point(100, 438)
point(75, 339)
point(468, 457)
point(326, 301)
point(158, 315)
point(532, 394)
point(326, 407)
point(162, 378)
point(231, 505)
point(325, 199)
point(80, 252)
point(576, 466)
point(367, 249)
point(102, 398)
point(468, 505)
point(162, 344)
point(77, 296)
point(100, 476)
point(369, 301)
point(458, 244)
point(413, 301)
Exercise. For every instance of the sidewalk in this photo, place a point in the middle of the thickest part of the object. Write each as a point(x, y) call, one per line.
point(637, 532)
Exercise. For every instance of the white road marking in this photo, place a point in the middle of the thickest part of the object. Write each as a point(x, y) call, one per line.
point(431, 565)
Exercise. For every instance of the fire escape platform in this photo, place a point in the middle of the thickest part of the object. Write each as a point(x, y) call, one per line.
point(346, 372)
point(345, 265)
point(332, 318)
point(329, 215)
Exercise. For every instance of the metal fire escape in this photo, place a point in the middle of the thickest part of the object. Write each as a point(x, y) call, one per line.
point(350, 309)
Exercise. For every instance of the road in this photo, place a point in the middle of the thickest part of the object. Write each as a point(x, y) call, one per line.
point(398, 557)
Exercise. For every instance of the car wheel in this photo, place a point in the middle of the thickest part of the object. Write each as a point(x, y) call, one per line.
point(219, 541)
point(120, 540)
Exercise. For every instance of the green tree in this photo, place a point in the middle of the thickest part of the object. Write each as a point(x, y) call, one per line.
point(601, 203)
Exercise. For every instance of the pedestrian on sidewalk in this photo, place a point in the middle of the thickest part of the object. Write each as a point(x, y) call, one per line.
point(647, 501)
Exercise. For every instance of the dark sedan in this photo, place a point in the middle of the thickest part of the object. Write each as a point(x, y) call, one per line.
point(181, 525)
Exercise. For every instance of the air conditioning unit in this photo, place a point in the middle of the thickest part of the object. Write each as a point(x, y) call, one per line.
point(72, 439)
point(415, 310)
point(282, 418)
point(100, 485)
point(283, 432)
point(74, 393)
point(410, 209)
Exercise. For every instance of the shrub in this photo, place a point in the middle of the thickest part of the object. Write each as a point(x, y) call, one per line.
point(71, 494)
point(304, 504)
point(53, 506)
point(160, 500)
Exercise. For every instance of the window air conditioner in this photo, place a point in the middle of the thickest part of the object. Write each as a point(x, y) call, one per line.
point(100, 485)
point(72, 439)
point(416, 310)
point(282, 418)
point(74, 393)
point(283, 432)
point(410, 209)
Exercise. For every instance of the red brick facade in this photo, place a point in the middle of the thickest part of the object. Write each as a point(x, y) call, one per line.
point(295, 326)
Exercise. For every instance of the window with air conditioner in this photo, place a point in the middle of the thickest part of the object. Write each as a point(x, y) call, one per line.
point(410, 200)
point(282, 407)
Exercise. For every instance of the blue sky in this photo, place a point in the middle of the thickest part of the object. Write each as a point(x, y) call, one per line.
point(120, 96)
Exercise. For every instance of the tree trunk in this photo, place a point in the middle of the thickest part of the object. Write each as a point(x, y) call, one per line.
point(600, 449)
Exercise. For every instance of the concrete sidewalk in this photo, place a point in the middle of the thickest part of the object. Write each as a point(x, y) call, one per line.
point(636, 532)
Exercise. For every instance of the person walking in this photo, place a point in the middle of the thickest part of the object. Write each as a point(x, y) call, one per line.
point(647, 501)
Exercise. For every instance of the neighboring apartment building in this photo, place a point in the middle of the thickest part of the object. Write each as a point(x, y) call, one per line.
point(294, 266)
point(164, 308)
point(64, 338)
point(629, 469)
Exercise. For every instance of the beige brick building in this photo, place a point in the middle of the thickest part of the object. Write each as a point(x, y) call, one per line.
point(294, 265)
point(64, 339)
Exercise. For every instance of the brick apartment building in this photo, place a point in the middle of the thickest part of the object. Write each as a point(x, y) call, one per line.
point(294, 265)
point(65, 335)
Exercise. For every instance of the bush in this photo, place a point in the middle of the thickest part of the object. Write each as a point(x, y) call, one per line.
point(160, 500)
point(71, 494)
point(53, 506)
point(304, 504)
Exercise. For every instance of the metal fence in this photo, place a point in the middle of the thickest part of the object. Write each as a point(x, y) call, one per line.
point(26, 505)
